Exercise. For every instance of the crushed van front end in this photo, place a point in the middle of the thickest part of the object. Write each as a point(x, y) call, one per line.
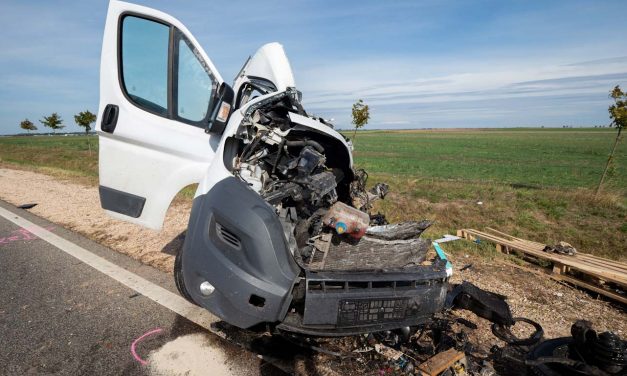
point(236, 241)
point(287, 238)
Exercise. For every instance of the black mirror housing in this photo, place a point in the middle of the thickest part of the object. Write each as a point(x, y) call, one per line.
point(222, 109)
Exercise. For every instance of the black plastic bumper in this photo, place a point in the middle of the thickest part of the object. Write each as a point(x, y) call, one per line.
point(235, 242)
point(359, 302)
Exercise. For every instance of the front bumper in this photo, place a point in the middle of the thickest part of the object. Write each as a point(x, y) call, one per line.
point(235, 241)
point(347, 303)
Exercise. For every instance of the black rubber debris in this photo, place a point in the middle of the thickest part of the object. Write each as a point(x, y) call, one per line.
point(27, 206)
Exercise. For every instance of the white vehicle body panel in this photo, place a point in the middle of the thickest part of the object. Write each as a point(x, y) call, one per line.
point(154, 157)
point(269, 62)
point(310, 123)
point(147, 155)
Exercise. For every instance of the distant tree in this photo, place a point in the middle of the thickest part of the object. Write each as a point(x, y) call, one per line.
point(85, 119)
point(618, 115)
point(53, 122)
point(361, 115)
point(28, 125)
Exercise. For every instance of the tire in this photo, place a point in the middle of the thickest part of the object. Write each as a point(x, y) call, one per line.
point(548, 349)
point(178, 275)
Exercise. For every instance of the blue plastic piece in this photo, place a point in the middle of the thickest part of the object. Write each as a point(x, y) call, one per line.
point(442, 255)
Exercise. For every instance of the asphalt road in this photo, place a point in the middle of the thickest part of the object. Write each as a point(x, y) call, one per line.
point(61, 316)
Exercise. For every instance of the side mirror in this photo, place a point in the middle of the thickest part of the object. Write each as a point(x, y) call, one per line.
point(222, 109)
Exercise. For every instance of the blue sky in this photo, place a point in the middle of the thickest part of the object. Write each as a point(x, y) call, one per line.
point(416, 63)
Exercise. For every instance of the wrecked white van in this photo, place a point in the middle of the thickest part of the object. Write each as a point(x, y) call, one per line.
point(279, 231)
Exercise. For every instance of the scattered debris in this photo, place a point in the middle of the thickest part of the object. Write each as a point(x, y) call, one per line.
point(27, 206)
point(484, 304)
point(465, 267)
point(584, 353)
point(399, 231)
point(362, 199)
point(504, 333)
point(451, 359)
point(561, 248)
point(441, 347)
point(447, 238)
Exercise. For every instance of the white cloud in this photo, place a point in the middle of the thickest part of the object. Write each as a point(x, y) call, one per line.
point(491, 89)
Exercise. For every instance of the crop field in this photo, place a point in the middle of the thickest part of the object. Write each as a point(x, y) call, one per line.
point(60, 156)
point(569, 158)
point(533, 183)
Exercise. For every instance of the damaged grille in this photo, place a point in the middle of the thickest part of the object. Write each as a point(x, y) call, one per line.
point(339, 286)
point(352, 302)
point(371, 311)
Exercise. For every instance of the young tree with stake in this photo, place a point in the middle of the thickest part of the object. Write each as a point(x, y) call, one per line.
point(361, 115)
point(85, 119)
point(618, 114)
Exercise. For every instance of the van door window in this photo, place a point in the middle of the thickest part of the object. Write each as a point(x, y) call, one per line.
point(196, 86)
point(144, 68)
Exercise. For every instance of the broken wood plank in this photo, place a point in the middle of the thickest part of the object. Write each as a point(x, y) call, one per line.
point(440, 362)
point(608, 293)
point(580, 267)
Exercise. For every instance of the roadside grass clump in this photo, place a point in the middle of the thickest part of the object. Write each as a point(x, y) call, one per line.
point(590, 224)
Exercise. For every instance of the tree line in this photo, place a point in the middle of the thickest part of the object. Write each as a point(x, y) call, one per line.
point(83, 119)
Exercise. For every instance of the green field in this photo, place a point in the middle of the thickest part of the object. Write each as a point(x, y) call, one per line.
point(533, 183)
point(57, 155)
point(570, 158)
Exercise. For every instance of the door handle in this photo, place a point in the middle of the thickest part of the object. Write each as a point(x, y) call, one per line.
point(109, 118)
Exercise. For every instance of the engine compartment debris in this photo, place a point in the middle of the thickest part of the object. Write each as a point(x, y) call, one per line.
point(306, 177)
point(357, 273)
point(305, 174)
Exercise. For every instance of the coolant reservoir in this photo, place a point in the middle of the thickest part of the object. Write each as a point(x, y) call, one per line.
point(347, 220)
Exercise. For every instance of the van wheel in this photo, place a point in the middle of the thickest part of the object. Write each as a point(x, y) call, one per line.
point(178, 276)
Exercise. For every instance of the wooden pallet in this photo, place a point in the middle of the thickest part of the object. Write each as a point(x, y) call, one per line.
point(584, 270)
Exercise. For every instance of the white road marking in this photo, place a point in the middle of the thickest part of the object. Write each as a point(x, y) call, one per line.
point(153, 292)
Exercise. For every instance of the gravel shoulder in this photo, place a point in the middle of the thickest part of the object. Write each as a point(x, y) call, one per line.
point(77, 207)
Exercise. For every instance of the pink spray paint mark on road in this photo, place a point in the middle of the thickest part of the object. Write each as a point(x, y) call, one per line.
point(135, 342)
point(20, 235)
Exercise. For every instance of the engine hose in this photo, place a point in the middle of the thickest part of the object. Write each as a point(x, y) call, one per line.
point(249, 149)
point(278, 156)
point(311, 143)
point(504, 333)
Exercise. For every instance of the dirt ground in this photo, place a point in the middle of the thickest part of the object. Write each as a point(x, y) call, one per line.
point(530, 294)
point(77, 207)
